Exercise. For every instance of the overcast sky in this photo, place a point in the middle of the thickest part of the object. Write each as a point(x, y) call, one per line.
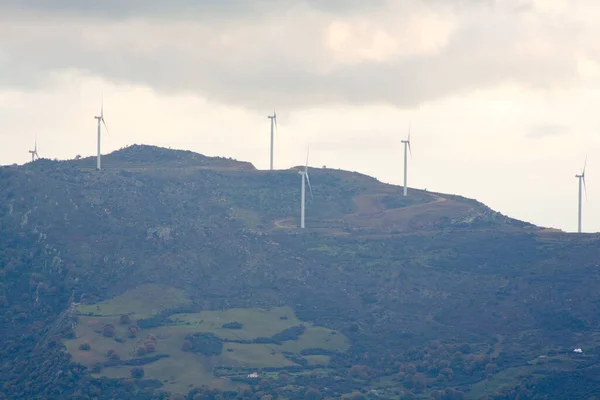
point(503, 96)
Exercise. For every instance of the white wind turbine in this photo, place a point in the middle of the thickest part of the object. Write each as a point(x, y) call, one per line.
point(34, 152)
point(305, 179)
point(581, 179)
point(406, 149)
point(273, 119)
point(100, 122)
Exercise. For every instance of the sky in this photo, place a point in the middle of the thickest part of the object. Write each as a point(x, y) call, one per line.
point(501, 96)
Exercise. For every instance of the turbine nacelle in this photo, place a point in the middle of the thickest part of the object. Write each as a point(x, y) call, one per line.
point(100, 118)
point(582, 177)
point(407, 141)
point(34, 152)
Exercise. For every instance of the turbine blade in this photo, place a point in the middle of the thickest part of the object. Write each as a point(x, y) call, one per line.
point(408, 140)
point(105, 127)
point(309, 186)
point(584, 165)
point(306, 166)
point(584, 187)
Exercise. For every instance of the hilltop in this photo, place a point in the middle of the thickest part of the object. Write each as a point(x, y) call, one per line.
point(193, 269)
point(143, 156)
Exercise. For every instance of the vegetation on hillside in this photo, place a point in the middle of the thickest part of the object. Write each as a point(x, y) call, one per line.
point(172, 261)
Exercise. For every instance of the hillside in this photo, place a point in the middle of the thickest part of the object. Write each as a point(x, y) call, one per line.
point(183, 270)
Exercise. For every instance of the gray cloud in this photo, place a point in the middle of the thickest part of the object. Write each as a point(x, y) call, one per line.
point(179, 8)
point(271, 60)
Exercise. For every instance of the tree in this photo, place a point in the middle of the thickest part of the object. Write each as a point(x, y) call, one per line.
point(283, 377)
point(137, 372)
point(359, 371)
point(108, 330)
point(312, 394)
point(419, 381)
point(150, 346)
point(187, 345)
point(490, 368)
point(125, 319)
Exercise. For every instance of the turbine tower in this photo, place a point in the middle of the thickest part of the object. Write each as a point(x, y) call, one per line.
point(305, 179)
point(34, 152)
point(100, 122)
point(273, 119)
point(406, 150)
point(581, 179)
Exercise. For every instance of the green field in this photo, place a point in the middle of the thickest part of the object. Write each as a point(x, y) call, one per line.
point(141, 302)
point(181, 369)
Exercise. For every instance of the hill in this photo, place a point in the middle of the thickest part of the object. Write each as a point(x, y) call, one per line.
point(181, 270)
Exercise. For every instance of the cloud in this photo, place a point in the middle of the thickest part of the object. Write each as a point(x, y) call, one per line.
point(546, 130)
point(300, 54)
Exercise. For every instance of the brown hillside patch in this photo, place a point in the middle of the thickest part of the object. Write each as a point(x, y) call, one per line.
point(372, 214)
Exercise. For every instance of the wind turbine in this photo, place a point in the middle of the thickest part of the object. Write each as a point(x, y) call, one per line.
point(305, 179)
point(273, 119)
point(34, 152)
point(406, 146)
point(581, 179)
point(100, 122)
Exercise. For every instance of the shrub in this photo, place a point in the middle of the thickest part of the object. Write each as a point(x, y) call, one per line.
point(233, 325)
point(125, 319)
point(292, 333)
point(132, 332)
point(204, 343)
point(96, 368)
point(85, 347)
